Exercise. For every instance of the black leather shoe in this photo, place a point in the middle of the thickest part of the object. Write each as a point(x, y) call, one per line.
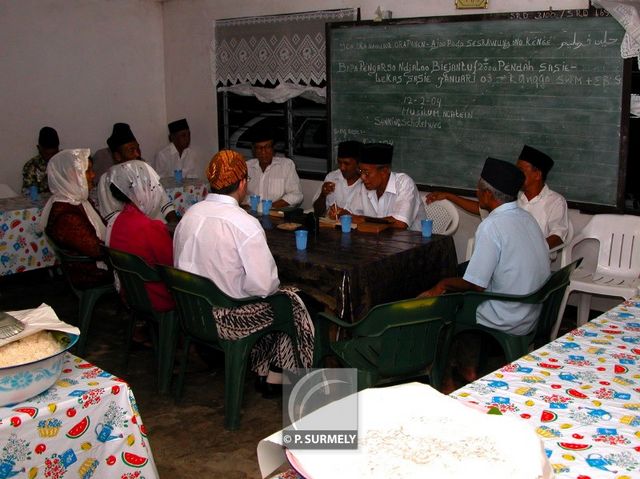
point(271, 391)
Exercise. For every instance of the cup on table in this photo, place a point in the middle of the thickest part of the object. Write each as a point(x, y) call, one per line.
point(345, 222)
point(266, 207)
point(427, 228)
point(253, 202)
point(177, 174)
point(301, 239)
point(34, 194)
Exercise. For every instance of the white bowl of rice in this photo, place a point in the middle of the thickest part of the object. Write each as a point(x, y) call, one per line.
point(32, 364)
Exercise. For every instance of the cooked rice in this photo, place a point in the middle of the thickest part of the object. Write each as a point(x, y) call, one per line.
point(32, 348)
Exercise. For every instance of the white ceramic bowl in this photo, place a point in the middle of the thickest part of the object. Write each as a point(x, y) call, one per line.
point(19, 383)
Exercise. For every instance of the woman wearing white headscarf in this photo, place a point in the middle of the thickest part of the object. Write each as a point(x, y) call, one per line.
point(70, 220)
point(132, 230)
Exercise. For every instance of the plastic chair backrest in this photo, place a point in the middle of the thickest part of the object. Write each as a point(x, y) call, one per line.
point(408, 333)
point(619, 244)
point(134, 272)
point(6, 191)
point(445, 216)
point(66, 258)
point(195, 297)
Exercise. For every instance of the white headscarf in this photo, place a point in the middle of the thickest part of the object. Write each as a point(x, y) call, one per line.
point(66, 172)
point(139, 182)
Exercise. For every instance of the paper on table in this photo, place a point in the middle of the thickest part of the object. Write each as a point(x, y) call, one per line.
point(41, 318)
point(424, 418)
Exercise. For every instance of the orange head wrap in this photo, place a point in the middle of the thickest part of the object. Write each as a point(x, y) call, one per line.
point(226, 168)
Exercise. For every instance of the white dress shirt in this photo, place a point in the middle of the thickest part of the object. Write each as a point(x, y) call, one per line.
point(279, 181)
point(109, 206)
point(168, 159)
point(343, 195)
point(400, 199)
point(216, 238)
point(550, 211)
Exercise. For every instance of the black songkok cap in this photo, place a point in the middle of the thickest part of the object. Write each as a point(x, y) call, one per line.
point(263, 132)
point(178, 125)
point(121, 135)
point(349, 149)
point(376, 154)
point(538, 159)
point(48, 138)
point(503, 176)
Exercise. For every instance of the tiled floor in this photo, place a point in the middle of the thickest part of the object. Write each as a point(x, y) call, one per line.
point(188, 440)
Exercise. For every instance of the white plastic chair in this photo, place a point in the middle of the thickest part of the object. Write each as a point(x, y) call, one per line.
point(445, 217)
point(6, 191)
point(618, 265)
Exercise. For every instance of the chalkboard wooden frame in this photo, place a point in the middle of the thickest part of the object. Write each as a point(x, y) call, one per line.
point(615, 204)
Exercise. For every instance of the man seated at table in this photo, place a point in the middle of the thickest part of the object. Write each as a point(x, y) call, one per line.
point(125, 147)
point(103, 158)
point(34, 172)
point(547, 207)
point(386, 194)
point(218, 239)
point(272, 177)
point(178, 155)
point(341, 185)
point(510, 256)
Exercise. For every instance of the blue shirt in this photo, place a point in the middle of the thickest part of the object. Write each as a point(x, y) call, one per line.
point(511, 256)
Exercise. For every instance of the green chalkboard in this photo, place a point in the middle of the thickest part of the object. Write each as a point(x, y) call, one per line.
point(448, 92)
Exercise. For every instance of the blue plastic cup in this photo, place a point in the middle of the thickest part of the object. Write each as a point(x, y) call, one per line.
point(253, 201)
point(427, 227)
point(266, 207)
point(301, 239)
point(177, 174)
point(34, 194)
point(345, 222)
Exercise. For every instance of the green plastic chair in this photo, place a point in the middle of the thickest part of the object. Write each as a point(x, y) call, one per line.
point(550, 295)
point(133, 272)
point(196, 296)
point(87, 297)
point(395, 341)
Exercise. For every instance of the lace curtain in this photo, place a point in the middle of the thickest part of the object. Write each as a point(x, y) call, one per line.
point(283, 50)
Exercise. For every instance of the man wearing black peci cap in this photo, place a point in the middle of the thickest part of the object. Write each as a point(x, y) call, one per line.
point(547, 207)
point(341, 185)
point(386, 194)
point(124, 147)
point(34, 172)
point(510, 256)
point(103, 158)
point(178, 155)
point(272, 177)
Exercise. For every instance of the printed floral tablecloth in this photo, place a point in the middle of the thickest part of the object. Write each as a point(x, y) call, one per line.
point(582, 395)
point(186, 193)
point(22, 246)
point(86, 425)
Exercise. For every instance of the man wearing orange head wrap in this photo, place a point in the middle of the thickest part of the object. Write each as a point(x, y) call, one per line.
point(218, 239)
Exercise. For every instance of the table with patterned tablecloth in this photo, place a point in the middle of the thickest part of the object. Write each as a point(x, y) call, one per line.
point(22, 246)
point(87, 425)
point(186, 193)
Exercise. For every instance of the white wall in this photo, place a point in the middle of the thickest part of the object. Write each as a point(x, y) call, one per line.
point(79, 66)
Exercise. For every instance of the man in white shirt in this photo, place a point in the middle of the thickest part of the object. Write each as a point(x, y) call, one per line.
point(218, 239)
point(547, 207)
point(272, 177)
point(341, 185)
point(386, 194)
point(125, 147)
point(177, 155)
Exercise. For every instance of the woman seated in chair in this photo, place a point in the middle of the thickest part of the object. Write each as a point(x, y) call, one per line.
point(133, 231)
point(71, 221)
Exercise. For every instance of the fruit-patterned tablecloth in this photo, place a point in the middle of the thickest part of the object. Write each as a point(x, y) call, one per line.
point(22, 246)
point(86, 425)
point(581, 393)
point(186, 193)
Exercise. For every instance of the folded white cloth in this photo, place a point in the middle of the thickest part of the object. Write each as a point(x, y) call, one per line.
point(38, 319)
